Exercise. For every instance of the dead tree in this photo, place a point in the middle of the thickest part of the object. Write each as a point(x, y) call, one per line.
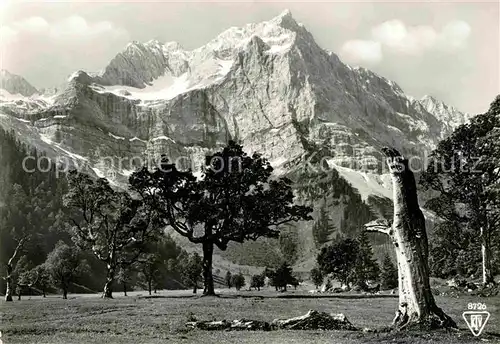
point(407, 232)
point(10, 268)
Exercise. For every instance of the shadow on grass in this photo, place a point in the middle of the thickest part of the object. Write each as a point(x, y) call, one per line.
point(336, 296)
point(261, 297)
point(167, 297)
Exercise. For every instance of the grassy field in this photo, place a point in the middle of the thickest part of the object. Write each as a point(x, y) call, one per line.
point(160, 319)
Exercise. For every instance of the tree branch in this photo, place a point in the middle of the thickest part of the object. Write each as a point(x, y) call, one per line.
point(19, 246)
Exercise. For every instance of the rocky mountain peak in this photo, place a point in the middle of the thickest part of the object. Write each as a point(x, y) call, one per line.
point(431, 102)
point(286, 21)
point(173, 47)
point(139, 64)
point(15, 84)
point(81, 77)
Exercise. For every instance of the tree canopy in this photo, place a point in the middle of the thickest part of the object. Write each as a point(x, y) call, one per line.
point(111, 224)
point(339, 259)
point(65, 265)
point(465, 176)
point(236, 199)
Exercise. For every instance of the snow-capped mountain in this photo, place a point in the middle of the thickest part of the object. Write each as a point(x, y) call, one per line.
point(268, 85)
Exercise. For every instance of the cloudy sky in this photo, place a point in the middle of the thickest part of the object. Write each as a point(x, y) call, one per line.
point(449, 50)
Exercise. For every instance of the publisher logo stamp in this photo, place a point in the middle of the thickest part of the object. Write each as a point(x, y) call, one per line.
point(476, 318)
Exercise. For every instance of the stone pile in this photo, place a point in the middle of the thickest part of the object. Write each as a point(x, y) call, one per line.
point(312, 320)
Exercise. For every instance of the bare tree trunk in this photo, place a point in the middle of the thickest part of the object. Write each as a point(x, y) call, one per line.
point(65, 293)
point(10, 269)
point(417, 306)
point(486, 255)
point(108, 286)
point(8, 282)
point(149, 287)
point(195, 288)
point(208, 250)
point(124, 289)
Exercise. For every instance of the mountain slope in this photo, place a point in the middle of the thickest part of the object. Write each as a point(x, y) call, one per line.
point(268, 85)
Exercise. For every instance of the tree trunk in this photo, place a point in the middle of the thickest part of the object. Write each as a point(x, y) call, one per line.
point(417, 306)
point(124, 289)
point(195, 288)
point(486, 255)
point(10, 268)
point(149, 287)
point(108, 287)
point(8, 282)
point(65, 294)
point(208, 279)
point(43, 293)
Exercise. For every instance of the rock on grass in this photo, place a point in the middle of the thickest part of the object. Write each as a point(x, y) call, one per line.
point(314, 320)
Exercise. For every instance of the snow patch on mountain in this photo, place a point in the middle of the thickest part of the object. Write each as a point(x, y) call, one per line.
point(116, 137)
point(163, 138)
point(366, 183)
point(168, 87)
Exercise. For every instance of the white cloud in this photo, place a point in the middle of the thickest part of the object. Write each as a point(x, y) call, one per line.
point(360, 51)
point(455, 34)
point(7, 35)
point(396, 36)
point(32, 24)
point(68, 28)
point(76, 26)
point(391, 32)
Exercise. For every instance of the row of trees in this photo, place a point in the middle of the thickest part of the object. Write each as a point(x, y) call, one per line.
point(280, 278)
point(163, 264)
point(236, 200)
point(63, 266)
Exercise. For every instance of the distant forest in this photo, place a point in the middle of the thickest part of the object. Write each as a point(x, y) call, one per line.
point(33, 203)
